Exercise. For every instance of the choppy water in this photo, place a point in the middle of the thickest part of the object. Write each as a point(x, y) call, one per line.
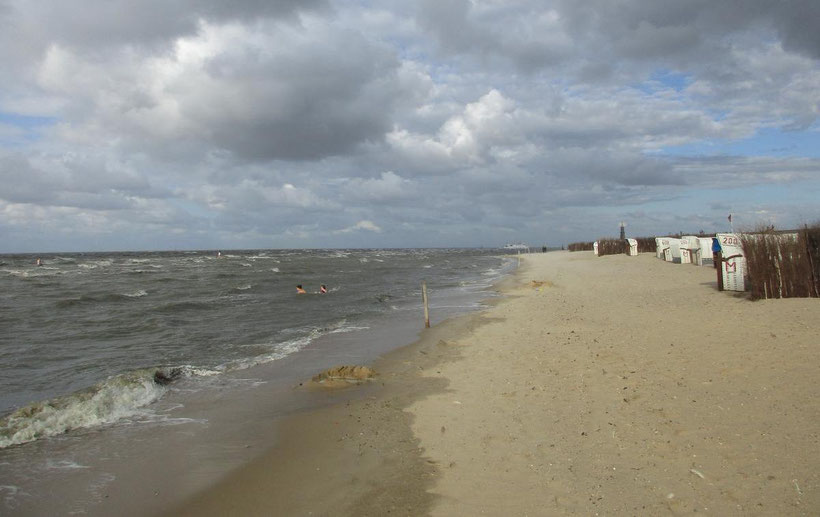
point(89, 339)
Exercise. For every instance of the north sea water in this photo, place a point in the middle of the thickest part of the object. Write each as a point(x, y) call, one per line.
point(124, 372)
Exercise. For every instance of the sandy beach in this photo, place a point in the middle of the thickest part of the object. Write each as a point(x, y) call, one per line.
point(596, 386)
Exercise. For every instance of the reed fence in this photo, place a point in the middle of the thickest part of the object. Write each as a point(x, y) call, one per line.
point(612, 247)
point(646, 244)
point(580, 246)
point(782, 265)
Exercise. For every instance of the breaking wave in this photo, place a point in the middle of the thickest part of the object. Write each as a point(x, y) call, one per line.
point(117, 397)
point(127, 395)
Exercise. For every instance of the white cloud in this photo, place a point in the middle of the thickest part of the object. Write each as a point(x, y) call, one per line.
point(389, 187)
point(368, 226)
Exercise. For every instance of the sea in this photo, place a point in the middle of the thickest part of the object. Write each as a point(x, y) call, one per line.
point(130, 380)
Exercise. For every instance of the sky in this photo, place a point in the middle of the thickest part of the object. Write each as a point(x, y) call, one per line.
point(203, 124)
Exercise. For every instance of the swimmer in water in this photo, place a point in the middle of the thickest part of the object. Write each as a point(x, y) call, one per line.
point(39, 262)
point(299, 289)
point(323, 289)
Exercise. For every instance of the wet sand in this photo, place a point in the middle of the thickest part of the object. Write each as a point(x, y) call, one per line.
point(613, 385)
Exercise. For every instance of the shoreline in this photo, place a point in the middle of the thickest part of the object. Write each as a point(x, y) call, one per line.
point(619, 384)
point(335, 459)
point(356, 456)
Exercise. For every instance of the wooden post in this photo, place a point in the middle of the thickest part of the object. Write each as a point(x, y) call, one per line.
point(426, 309)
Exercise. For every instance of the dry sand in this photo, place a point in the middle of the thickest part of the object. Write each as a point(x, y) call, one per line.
point(614, 386)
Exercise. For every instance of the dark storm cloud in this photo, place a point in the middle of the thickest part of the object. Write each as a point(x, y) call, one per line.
point(533, 35)
point(521, 33)
point(306, 102)
point(72, 182)
point(94, 24)
point(736, 171)
point(796, 22)
point(261, 92)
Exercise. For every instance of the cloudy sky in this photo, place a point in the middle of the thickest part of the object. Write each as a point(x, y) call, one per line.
point(203, 124)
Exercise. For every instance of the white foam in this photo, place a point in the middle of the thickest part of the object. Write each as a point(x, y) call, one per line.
point(244, 287)
point(286, 348)
point(165, 420)
point(281, 350)
point(9, 488)
point(64, 465)
point(202, 372)
point(9, 495)
point(16, 272)
point(343, 330)
point(136, 294)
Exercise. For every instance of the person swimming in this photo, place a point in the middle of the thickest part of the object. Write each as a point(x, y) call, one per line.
point(39, 262)
point(323, 289)
point(299, 289)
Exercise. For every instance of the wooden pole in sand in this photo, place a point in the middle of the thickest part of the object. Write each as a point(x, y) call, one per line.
point(426, 309)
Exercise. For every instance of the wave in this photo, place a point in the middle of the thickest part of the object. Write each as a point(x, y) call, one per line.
point(244, 287)
point(95, 264)
point(40, 272)
point(127, 395)
point(64, 465)
point(383, 297)
point(173, 307)
point(284, 349)
point(117, 397)
point(17, 272)
point(103, 298)
point(279, 351)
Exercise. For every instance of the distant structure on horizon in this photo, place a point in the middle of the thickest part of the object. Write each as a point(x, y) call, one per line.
point(516, 246)
point(623, 230)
